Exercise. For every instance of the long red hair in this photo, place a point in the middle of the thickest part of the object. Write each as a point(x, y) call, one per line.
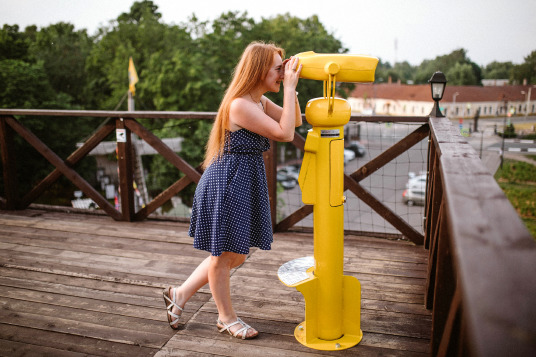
point(252, 68)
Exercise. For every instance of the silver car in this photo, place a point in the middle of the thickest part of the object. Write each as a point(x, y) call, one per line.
point(415, 194)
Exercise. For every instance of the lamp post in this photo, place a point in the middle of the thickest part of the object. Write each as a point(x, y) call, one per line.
point(438, 83)
point(528, 101)
point(454, 101)
point(527, 107)
point(505, 101)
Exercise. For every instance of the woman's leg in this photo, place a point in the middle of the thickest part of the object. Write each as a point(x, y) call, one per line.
point(195, 281)
point(200, 278)
point(219, 281)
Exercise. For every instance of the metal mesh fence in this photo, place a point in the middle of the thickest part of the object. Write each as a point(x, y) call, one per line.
point(367, 139)
point(387, 184)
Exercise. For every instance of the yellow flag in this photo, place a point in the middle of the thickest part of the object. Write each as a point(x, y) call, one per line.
point(132, 77)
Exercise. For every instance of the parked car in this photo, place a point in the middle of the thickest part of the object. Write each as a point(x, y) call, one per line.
point(286, 180)
point(290, 171)
point(349, 155)
point(85, 203)
point(358, 149)
point(416, 179)
point(414, 195)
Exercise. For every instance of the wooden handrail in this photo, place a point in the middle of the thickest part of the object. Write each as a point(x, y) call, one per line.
point(119, 120)
point(482, 258)
point(109, 114)
point(126, 121)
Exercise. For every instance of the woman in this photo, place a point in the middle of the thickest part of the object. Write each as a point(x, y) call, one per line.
point(231, 210)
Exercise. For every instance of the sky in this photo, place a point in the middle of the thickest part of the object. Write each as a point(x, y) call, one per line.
point(392, 30)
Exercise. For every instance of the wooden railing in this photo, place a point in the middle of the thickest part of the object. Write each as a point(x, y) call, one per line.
point(127, 122)
point(482, 267)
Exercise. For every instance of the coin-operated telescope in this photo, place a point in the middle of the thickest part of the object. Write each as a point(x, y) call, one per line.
point(332, 300)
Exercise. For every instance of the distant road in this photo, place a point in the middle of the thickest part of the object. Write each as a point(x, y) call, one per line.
point(515, 145)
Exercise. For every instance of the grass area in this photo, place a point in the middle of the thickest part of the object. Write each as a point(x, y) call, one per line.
point(518, 181)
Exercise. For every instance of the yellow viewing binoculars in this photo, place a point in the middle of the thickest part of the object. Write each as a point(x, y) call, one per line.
point(345, 68)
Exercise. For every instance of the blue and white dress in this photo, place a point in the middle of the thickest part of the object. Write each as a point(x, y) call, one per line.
point(231, 208)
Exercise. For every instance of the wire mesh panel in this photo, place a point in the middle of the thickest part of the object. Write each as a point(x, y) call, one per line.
point(390, 184)
point(162, 175)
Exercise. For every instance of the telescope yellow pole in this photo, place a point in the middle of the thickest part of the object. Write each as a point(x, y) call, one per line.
point(332, 300)
point(328, 214)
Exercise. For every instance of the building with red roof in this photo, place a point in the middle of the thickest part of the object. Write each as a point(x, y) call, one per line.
point(458, 101)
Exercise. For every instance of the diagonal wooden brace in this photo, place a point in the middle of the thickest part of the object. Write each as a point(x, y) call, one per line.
point(68, 172)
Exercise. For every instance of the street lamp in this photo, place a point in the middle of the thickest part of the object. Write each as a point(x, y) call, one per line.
point(528, 100)
point(437, 84)
point(454, 102)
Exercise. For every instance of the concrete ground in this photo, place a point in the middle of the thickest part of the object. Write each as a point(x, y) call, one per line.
point(491, 157)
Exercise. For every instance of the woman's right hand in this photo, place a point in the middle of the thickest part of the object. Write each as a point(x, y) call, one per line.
point(292, 72)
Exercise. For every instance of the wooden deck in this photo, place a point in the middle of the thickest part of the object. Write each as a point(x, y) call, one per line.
point(74, 284)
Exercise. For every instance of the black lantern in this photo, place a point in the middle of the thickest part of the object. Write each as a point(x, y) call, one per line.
point(438, 83)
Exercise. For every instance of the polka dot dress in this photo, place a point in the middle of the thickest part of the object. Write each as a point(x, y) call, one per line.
point(231, 208)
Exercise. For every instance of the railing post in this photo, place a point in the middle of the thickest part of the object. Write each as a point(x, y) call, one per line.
point(9, 165)
point(125, 167)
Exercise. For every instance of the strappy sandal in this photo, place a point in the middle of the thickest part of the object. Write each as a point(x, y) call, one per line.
point(172, 317)
point(222, 326)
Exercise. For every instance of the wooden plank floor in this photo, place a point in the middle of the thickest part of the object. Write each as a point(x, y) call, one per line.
point(74, 284)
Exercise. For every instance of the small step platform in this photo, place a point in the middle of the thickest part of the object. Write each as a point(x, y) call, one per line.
point(296, 271)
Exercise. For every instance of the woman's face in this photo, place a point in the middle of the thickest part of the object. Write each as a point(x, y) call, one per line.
point(275, 75)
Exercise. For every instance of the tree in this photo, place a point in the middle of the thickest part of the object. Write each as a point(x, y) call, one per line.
point(24, 85)
point(138, 34)
point(183, 67)
point(404, 71)
point(13, 44)
point(525, 71)
point(383, 70)
point(297, 35)
point(461, 75)
point(498, 70)
point(139, 11)
point(63, 52)
point(445, 64)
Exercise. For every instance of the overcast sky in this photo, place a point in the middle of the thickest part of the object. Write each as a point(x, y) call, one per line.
point(410, 30)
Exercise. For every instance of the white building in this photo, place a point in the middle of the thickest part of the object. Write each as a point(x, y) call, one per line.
point(457, 102)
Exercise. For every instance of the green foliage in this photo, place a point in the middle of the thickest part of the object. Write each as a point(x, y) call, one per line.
point(462, 70)
point(498, 70)
point(509, 132)
point(525, 71)
point(140, 35)
point(13, 44)
point(522, 197)
point(296, 35)
point(184, 67)
point(517, 171)
point(383, 71)
point(518, 181)
point(24, 85)
point(461, 74)
point(59, 47)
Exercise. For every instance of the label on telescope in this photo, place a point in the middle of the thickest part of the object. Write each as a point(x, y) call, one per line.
point(333, 133)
